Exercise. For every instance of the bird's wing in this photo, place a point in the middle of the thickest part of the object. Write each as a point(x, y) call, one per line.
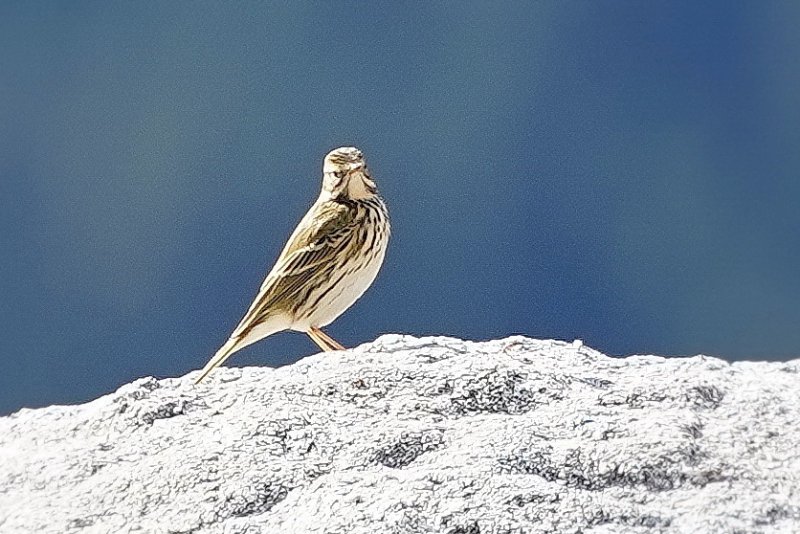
point(316, 242)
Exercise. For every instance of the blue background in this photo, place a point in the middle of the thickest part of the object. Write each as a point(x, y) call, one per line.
point(627, 173)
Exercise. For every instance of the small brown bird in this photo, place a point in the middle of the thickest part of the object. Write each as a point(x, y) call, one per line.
point(331, 258)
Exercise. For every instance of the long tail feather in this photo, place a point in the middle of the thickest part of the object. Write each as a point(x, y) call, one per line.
point(225, 351)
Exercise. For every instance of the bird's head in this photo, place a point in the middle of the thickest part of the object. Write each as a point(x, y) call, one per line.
point(345, 174)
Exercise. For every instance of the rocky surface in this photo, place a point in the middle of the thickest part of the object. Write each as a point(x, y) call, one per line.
point(410, 435)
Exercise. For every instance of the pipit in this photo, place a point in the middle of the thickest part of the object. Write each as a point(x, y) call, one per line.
point(331, 258)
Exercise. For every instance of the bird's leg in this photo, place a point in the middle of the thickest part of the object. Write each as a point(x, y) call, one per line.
point(328, 339)
point(313, 333)
point(325, 342)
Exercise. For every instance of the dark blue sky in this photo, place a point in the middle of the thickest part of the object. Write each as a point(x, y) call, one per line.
point(621, 172)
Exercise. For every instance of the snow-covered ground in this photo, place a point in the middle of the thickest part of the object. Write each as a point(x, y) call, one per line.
point(412, 435)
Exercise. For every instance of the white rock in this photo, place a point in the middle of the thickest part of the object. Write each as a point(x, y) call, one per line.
point(420, 435)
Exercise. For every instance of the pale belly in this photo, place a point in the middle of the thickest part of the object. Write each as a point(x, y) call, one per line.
point(346, 292)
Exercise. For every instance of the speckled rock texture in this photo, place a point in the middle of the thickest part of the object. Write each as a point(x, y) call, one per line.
point(432, 435)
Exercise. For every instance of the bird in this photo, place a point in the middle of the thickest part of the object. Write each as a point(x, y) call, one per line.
point(329, 261)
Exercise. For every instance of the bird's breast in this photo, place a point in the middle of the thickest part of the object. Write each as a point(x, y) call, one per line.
point(347, 278)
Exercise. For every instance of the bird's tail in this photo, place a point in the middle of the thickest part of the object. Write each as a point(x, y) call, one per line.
point(245, 334)
point(225, 351)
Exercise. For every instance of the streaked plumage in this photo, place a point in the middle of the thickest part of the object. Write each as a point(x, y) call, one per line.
point(331, 258)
